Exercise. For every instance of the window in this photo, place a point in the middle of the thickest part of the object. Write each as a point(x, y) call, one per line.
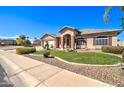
point(80, 41)
point(102, 40)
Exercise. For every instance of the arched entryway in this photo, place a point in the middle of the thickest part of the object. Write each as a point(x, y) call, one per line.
point(67, 41)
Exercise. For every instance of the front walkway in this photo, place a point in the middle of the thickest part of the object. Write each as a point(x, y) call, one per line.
point(23, 71)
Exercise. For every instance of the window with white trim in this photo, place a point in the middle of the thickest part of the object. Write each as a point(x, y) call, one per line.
point(102, 40)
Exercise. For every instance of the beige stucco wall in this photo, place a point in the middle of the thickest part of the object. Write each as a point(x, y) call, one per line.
point(81, 46)
point(114, 41)
point(91, 46)
point(48, 38)
point(51, 41)
point(90, 43)
point(67, 32)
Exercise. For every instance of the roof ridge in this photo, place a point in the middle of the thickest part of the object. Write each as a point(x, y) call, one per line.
point(99, 29)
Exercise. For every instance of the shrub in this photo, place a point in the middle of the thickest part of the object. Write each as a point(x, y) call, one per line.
point(123, 57)
point(25, 50)
point(113, 49)
point(46, 54)
point(47, 46)
point(27, 43)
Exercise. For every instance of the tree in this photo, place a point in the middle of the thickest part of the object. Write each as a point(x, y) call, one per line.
point(23, 37)
point(23, 41)
point(19, 41)
point(27, 43)
point(107, 11)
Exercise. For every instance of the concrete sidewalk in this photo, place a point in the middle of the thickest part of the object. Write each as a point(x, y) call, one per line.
point(23, 71)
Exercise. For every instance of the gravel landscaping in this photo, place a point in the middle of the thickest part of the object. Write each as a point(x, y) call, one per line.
point(110, 75)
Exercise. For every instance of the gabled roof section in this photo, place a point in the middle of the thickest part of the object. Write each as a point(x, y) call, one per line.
point(68, 27)
point(93, 31)
point(47, 34)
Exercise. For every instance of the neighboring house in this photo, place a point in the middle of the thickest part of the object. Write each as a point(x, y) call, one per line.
point(81, 39)
point(7, 42)
point(37, 42)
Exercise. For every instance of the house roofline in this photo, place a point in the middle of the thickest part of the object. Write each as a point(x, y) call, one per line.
point(69, 27)
point(47, 34)
point(104, 31)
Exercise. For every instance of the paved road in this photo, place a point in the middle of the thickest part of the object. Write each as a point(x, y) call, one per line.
point(4, 81)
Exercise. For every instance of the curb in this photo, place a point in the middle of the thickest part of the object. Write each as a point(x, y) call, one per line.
point(19, 75)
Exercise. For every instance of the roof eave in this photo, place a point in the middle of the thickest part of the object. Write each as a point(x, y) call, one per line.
point(47, 34)
point(69, 28)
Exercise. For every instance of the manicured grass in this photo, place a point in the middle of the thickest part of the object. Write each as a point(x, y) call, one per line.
point(85, 57)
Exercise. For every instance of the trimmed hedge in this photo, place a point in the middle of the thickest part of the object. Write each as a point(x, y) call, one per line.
point(25, 50)
point(113, 49)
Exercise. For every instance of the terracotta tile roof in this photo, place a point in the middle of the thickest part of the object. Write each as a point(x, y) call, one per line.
point(91, 31)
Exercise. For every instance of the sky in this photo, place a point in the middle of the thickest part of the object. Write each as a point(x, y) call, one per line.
point(34, 21)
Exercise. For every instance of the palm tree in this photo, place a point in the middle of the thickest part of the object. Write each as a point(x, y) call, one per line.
point(108, 9)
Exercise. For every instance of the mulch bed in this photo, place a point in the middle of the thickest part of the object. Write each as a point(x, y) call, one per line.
point(110, 75)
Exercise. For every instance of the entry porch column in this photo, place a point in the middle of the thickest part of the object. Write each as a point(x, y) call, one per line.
point(72, 42)
point(62, 42)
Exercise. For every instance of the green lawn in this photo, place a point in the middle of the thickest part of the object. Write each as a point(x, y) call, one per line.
point(84, 57)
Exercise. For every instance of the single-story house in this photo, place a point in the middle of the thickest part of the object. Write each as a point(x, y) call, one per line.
point(7, 42)
point(81, 39)
point(37, 42)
